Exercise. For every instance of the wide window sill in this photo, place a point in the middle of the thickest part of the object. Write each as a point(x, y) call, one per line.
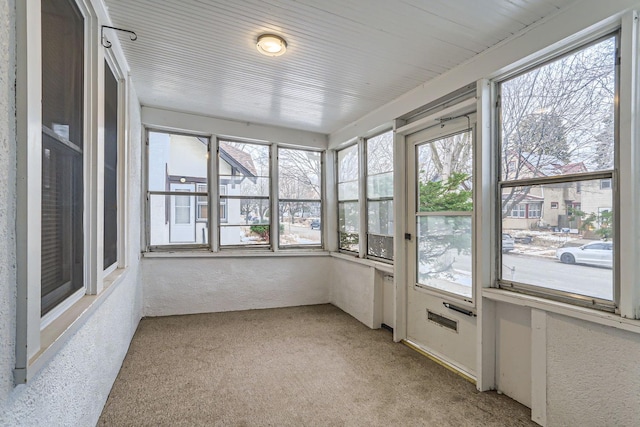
point(55, 335)
point(574, 311)
point(286, 253)
point(378, 265)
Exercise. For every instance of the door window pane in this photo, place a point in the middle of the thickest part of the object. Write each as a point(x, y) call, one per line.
point(445, 168)
point(443, 218)
point(444, 253)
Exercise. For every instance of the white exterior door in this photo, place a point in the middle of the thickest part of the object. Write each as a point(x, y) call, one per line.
point(440, 284)
point(183, 215)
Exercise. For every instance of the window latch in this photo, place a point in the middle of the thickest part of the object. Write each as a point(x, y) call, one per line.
point(407, 236)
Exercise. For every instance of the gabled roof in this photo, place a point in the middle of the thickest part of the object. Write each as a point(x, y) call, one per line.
point(546, 165)
point(238, 158)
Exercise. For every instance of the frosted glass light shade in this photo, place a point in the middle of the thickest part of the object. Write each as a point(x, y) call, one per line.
point(271, 45)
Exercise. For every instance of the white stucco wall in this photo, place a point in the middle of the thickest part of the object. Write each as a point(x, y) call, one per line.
point(593, 374)
point(513, 352)
point(353, 290)
point(202, 285)
point(7, 197)
point(71, 389)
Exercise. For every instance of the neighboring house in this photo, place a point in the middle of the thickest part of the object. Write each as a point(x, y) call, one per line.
point(548, 206)
point(597, 198)
point(185, 219)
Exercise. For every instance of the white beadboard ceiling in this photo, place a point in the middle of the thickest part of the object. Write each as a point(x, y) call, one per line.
point(345, 58)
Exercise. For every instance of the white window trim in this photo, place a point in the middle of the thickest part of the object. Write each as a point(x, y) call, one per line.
point(39, 338)
point(627, 173)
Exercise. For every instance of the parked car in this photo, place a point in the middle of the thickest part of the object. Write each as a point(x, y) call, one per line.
point(315, 224)
point(599, 254)
point(508, 243)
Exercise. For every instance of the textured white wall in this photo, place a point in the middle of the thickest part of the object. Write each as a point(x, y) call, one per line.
point(353, 291)
point(202, 285)
point(593, 374)
point(513, 352)
point(72, 388)
point(7, 196)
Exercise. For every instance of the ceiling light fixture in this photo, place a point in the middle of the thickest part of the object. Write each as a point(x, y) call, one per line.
point(271, 45)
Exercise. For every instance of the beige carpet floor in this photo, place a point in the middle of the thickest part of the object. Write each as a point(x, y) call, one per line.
point(300, 366)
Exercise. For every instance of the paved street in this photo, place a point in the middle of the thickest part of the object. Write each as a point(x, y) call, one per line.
point(581, 279)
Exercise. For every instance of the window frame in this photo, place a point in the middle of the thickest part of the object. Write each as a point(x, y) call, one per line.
point(368, 199)
point(320, 200)
point(363, 199)
point(38, 338)
point(121, 172)
point(609, 174)
point(269, 246)
point(358, 145)
point(195, 194)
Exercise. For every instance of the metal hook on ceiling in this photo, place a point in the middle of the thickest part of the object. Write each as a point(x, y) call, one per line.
point(106, 43)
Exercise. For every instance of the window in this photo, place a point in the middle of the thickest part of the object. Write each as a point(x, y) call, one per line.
point(519, 211)
point(177, 183)
point(444, 200)
point(243, 168)
point(348, 195)
point(110, 167)
point(558, 126)
point(379, 153)
point(534, 210)
point(202, 202)
point(63, 62)
point(300, 195)
point(223, 203)
point(375, 207)
point(183, 212)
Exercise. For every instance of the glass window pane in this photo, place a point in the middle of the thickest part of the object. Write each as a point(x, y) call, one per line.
point(176, 159)
point(444, 253)
point(172, 221)
point(62, 198)
point(299, 174)
point(348, 164)
point(349, 217)
point(380, 154)
point(63, 70)
point(256, 234)
point(244, 211)
point(445, 168)
point(348, 225)
point(348, 190)
point(245, 186)
point(559, 118)
point(380, 246)
point(110, 167)
point(380, 185)
point(380, 217)
point(559, 246)
point(244, 168)
point(300, 223)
